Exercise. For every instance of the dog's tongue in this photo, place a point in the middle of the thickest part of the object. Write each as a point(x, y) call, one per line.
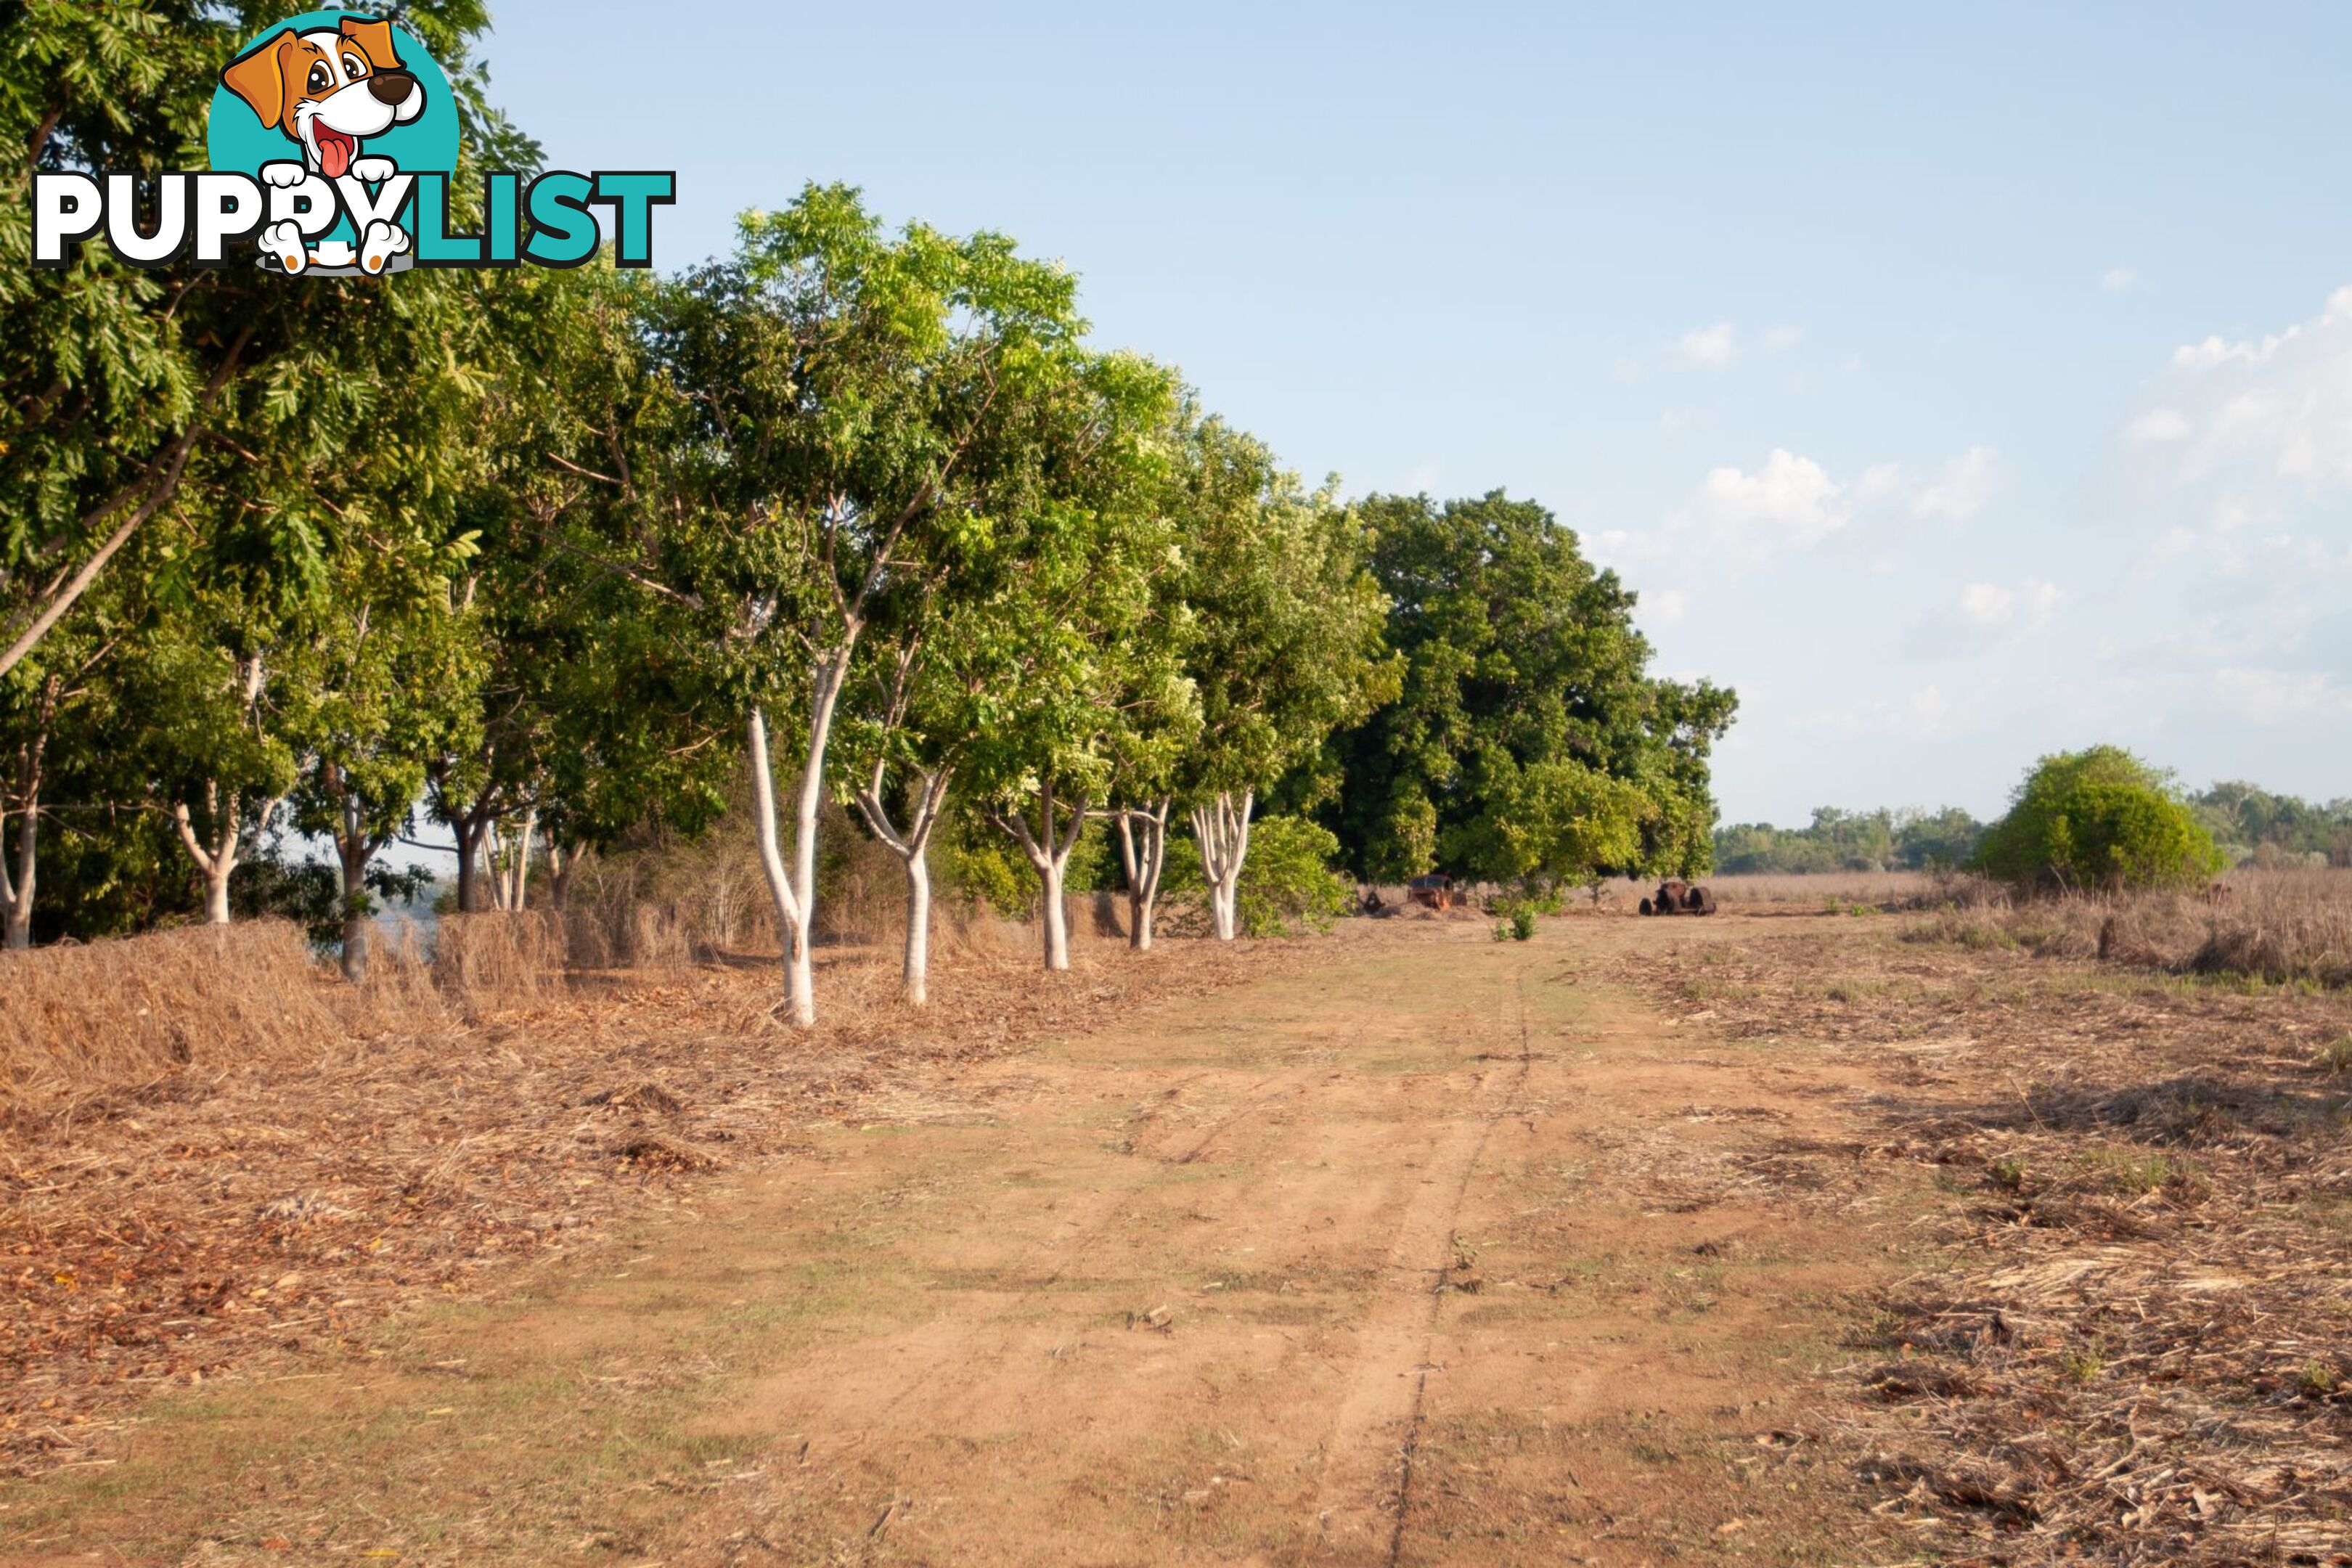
point(335, 153)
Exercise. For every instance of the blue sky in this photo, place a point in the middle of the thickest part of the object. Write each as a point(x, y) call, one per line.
point(1958, 386)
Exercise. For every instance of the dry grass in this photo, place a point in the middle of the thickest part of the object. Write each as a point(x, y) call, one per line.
point(73, 1018)
point(2279, 927)
point(2135, 1344)
point(486, 962)
point(1834, 892)
point(294, 1157)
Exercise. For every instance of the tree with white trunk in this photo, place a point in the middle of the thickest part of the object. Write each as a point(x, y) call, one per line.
point(217, 760)
point(1143, 859)
point(20, 862)
point(846, 398)
point(1285, 645)
point(54, 711)
point(912, 717)
point(1098, 695)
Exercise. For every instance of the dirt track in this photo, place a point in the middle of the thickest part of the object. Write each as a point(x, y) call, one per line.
point(1435, 1250)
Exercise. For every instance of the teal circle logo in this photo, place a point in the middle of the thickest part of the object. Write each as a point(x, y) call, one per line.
point(271, 105)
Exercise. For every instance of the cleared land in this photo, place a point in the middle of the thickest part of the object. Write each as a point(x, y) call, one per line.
point(1769, 1237)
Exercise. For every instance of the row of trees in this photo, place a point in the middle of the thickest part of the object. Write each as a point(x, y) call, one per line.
point(2251, 823)
point(861, 514)
point(2245, 820)
point(1835, 840)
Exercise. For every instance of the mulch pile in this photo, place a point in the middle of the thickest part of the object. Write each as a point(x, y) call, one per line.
point(2136, 1347)
point(177, 1229)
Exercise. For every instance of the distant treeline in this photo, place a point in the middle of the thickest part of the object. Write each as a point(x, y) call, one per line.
point(2248, 822)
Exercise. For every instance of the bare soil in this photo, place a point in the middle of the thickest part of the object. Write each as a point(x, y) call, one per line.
point(1642, 1241)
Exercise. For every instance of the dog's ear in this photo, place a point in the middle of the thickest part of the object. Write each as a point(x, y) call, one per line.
point(374, 40)
point(259, 78)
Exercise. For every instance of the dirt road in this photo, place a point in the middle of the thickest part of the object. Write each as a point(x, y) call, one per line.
point(1433, 1250)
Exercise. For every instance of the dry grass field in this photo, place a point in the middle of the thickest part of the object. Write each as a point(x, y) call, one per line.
point(1833, 1228)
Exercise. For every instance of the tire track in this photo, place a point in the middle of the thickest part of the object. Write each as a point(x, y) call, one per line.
point(944, 1356)
point(1367, 1487)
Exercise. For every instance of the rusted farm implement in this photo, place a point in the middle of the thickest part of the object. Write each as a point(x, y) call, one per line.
point(1676, 896)
point(1436, 892)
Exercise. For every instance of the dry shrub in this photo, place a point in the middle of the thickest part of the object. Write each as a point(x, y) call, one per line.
point(396, 995)
point(2287, 925)
point(861, 888)
point(74, 1018)
point(486, 962)
point(2281, 927)
point(665, 899)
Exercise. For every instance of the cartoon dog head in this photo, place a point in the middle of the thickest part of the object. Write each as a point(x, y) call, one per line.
point(328, 89)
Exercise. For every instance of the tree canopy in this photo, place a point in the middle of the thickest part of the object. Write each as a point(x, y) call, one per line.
point(2099, 819)
point(1528, 736)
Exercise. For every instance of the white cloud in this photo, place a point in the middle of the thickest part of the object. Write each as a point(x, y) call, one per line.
point(2280, 696)
point(1742, 519)
point(2170, 545)
point(2117, 280)
point(1790, 500)
point(1922, 714)
point(2159, 424)
point(2030, 604)
point(1984, 616)
point(2244, 445)
point(1714, 347)
point(1666, 608)
point(1961, 490)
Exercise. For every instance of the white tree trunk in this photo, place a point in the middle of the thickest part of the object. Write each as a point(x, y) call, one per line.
point(790, 922)
point(218, 859)
point(1221, 829)
point(915, 976)
point(1049, 849)
point(912, 847)
point(1143, 851)
point(493, 865)
point(1057, 917)
point(510, 862)
point(523, 858)
point(17, 891)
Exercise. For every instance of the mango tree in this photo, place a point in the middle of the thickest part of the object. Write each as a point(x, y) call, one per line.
point(1286, 643)
point(841, 385)
point(1095, 642)
point(1523, 675)
point(127, 386)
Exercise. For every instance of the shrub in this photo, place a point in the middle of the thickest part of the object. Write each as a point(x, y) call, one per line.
point(976, 862)
point(1288, 879)
point(2099, 819)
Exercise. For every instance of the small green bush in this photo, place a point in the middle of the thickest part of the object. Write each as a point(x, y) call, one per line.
point(975, 862)
point(1523, 922)
point(1287, 880)
point(2098, 820)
